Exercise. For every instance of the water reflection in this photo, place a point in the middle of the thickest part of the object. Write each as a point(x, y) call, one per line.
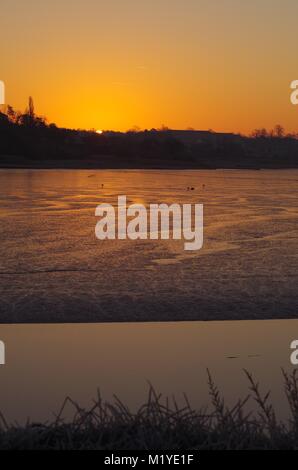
point(47, 362)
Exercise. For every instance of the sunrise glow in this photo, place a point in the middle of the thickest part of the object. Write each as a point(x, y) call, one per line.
point(131, 65)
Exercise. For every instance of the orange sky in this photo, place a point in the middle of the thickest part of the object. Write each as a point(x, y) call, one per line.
point(220, 64)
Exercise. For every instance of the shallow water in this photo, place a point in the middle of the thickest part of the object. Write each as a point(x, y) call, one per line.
point(46, 363)
point(53, 269)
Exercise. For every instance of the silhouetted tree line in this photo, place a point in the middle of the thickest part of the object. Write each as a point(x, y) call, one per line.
point(29, 138)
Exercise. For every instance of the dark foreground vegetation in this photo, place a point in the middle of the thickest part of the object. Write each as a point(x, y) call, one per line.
point(157, 425)
point(27, 140)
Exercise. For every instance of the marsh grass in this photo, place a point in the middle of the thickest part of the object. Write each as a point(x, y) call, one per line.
point(160, 424)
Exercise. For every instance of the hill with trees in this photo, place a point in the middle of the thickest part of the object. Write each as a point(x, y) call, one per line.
point(28, 140)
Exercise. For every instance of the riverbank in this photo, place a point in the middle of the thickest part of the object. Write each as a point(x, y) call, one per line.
point(160, 424)
point(108, 163)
